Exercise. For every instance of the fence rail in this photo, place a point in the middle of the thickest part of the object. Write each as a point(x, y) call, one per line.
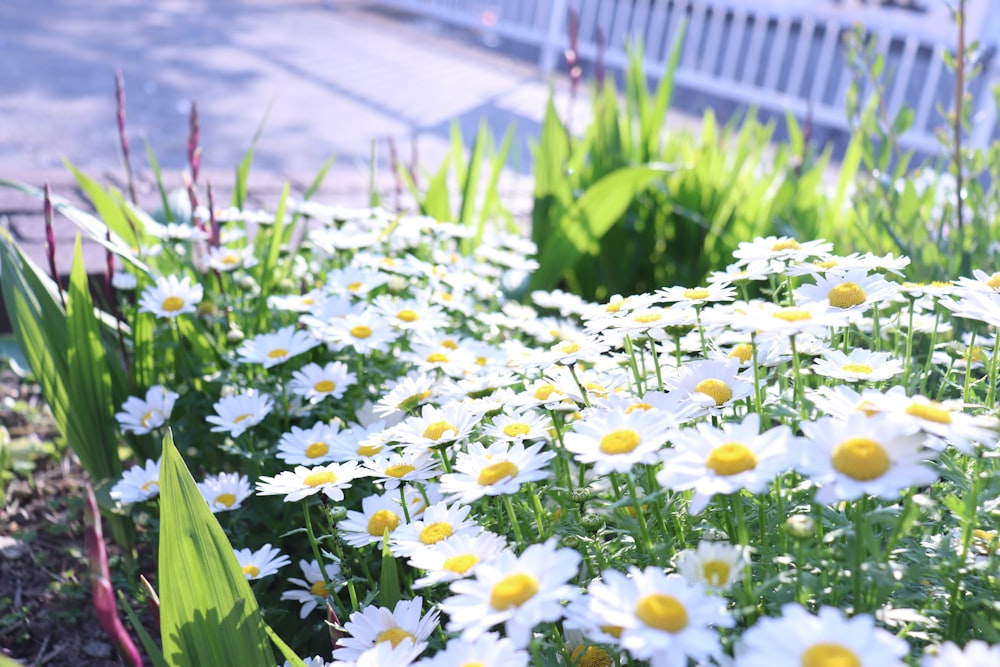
point(778, 55)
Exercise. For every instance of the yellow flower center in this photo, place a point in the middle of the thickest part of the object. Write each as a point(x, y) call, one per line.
point(592, 656)
point(481, 361)
point(930, 411)
point(699, 293)
point(993, 282)
point(317, 449)
point(145, 418)
point(492, 474)
point(731, 458)
point(172, 304)
point(613, 630)
point(857, 368)
point(320, 589)
point(436, 430)
point(786, 244)
point(318, 478)
point(646, 318)
point(230, 259)
point(516, 429)
point(324, 386)
point(566, 347)
point(398, 471)
point(828, 264)
point(792, 314)
point(394, 636)
point(225, 499)
point(361, 331)
point(369, 450)
point(546, 390)
point(435, 532)
point(449, 344)
point(638, 406)
point(829, 655)
point(743, 352)
point(862, 459)
point(407, 315)
point(251, 570)
point(715, 572)
point(663, 612)
point(355, 286)
point(614, 306)
point(436, 358)
point(598, 390)
point(717, 389)
point(513, 591)
point(150, 484)
point(460, 564)
point(846, 295)
point(621, 441)
point(382, 521)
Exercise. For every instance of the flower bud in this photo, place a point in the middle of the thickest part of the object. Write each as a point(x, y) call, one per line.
point(800, 526)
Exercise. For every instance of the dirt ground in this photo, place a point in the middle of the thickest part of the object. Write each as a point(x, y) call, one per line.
point(46, 615)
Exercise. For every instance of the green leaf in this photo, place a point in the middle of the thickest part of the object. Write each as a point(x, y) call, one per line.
point(208, 614)
point(389, 593)
point(108, 209)
point(588, 219)
point(274, 239)
point(152, 650)
point(470, 187)
point(436, 202)
point(664, 91)
point(168, 215)
point(553, 193)
point(243, 170)
point(491, 199)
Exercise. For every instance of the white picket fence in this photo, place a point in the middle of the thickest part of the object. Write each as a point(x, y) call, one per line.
point(777, 55)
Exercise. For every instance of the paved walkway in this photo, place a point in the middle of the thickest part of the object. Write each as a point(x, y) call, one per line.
point(336, 77)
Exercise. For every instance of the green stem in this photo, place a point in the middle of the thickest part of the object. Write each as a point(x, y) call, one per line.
point(579, 385)
point(909, 343)
point(515, 524)
point(639, 515)
point(860, 510)
point(656, 363)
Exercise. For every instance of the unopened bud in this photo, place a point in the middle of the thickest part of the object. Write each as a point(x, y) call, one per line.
point(592, 522)
point(800, 526)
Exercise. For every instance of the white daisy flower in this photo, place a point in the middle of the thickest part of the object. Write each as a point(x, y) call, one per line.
point(435, 426)
point(488, 650)
point(850, 290)
point(453, 362)
point(138, 483)
point(385, 654)
point(330, 479)
point(725, 460)
point(378, 514)
point(799, 638)
point(976, 653)
point(311, 446)
point(366, 332)
point(171, 297)
point(438, 523)
point(712, 385)
point(124, 280)
point(781, 248)
point(353, 281)
point(261, 563)
point(140, 416)
point(863, 455)
point(697, 296)
point(410, 314)
point(859, 366)
point(755, 270)
point(976, 305)
point(406, 394)
point(238, 412)
point(313, 590)
point(496, 470)
point(314, 661)
point(314, 382)
point(943, 420)
point(225, 491)
point(276, 348)
point(224, 258)
point(392, 469)
point(615, 441)
point(522, 426)
point(455, 557)
point(980, 281)
point(519, 592)
point(770, 320)
point(375, 625)
point(714, 565)
point(296, 303)
point(662, 618)
point(360, 443)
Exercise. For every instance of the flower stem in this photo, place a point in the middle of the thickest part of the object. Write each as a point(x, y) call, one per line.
point(518, 535)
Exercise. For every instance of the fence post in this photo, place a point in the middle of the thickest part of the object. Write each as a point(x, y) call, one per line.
point(552, 46)
point(984, 114)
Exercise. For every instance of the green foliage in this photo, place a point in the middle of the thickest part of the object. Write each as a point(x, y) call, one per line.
point(208, 614)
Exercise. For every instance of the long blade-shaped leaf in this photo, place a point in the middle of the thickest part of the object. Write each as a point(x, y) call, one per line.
point(208, 614)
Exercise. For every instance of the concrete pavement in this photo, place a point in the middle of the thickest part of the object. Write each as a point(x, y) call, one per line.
point(336, 77)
